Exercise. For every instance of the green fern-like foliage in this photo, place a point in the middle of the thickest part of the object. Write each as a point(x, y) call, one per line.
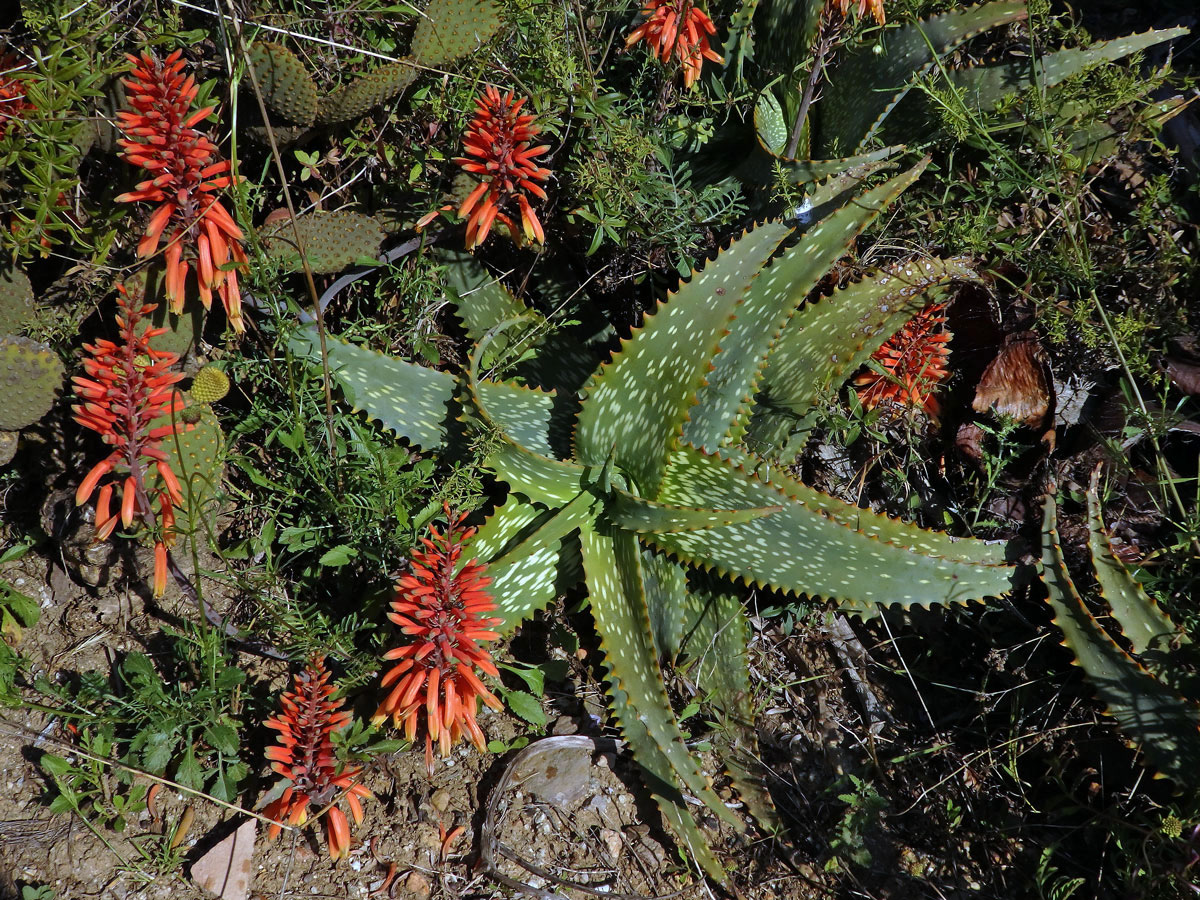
point(634, 476)
point(868, 88)
point(1138, 687)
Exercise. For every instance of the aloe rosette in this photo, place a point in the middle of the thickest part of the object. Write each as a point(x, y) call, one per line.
point(655, 486)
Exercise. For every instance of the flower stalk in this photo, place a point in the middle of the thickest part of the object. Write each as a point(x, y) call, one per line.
point(128, 385)
point(442, 605)
point(161, 137)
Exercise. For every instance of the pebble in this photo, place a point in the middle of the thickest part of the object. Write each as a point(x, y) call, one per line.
point(417, 885)
point(440, 800)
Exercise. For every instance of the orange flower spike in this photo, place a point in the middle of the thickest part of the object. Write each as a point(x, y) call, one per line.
point(876, 7)
point(161, 137)
point(120, 397)
point(443, 606)
point(499, 151)
point(12, 92)
point(915, 362)
point(677, 27)
point(305, 756)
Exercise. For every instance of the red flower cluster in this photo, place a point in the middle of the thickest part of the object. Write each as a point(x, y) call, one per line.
point(129, 387)
point(161, 137)
point(914, 360)
point(444, 608)
point(677, 26)
point(306, 759)
point(497, 142)
point(12, 92)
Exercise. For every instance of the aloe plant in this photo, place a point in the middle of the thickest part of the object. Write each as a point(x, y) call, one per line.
point(868, 93)
point(643, 486)
point(1139, 686)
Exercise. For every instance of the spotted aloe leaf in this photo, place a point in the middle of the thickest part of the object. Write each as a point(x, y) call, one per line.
point(821, 547)
point(865, 85)
point(633, 479)
point(713, 647)
point(635, 405)
point(1164, 723)
point(413, 401)
point(721, 404)
point(827, 340)
point(531, 552)
point(1143, 621)
point(982, 87)
point(611, 564)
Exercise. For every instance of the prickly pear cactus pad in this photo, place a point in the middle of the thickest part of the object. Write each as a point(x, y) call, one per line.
point(286, 85)
point(16, 300)
point(30, 378)
point(450, 29)
point(364, 93)
point(331, 240)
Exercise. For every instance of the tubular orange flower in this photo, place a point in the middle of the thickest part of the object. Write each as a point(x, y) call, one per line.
point(305, 757)
point(679, 27)
point(128, 386)
point(12, 92)
point(497, 143)
point(443, 606)
point(876, 7)
point(161, 137)
point(914, 360)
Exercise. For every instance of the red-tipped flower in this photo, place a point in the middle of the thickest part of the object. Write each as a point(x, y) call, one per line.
point(306, 758)
point(914, 363)
point(161, 137)
point(12, 92)
point(679, 27)
point(128, 386)
point(497, 143)
point(442, 605)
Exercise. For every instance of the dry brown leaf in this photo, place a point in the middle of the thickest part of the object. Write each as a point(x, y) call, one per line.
point(1014, 383)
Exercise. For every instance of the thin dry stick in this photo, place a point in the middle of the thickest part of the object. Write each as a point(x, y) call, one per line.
point(67, 747)
point(825, 37)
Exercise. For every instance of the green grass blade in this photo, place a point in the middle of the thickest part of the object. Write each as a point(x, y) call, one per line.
point(1165, 724)
point(412, 401)
point(635, 405)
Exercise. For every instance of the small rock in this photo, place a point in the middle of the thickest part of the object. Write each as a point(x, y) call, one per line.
point(612, 841)
point(440, 800)
point(417, 885)
point(225, 869)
